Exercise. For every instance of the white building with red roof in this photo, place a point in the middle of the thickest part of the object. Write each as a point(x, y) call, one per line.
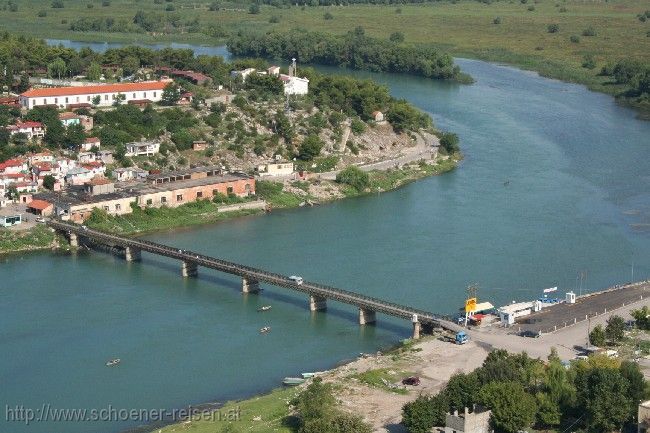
point(29, 128)
point(63, 97)
point(13, 166)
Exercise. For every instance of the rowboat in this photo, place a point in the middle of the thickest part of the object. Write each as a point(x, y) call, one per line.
point(113, 362)
point(264, 308)
point(265, 330)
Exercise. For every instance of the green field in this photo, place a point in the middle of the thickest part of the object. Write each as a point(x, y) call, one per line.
point(464, 28)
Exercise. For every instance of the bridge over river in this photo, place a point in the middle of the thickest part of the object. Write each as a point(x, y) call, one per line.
point(252, 277)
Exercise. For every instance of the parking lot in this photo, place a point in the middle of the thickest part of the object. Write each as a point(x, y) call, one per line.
point(588, 306)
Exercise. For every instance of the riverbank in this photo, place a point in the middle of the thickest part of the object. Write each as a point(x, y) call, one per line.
point(277, 195)
point(360, 388)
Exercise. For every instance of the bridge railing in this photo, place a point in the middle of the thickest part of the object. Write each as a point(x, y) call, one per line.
point(329, 292)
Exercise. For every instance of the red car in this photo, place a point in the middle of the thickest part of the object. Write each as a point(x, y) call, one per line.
point(413, 380)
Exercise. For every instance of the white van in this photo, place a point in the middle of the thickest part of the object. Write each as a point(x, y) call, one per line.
point(296, 279)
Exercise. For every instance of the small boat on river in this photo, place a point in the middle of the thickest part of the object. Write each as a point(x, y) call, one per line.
point(264, 308)
point(113, 362)
point(265, 329)
point(293, 381)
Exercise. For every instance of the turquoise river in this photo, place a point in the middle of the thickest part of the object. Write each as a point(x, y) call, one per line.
point(555, 182)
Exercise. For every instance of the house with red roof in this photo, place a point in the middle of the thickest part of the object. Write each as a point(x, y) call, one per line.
point(30, 129)
point(13, 166)
point(107, 94)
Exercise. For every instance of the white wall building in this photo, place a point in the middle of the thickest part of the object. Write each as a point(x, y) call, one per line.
point(295, 85)
point(142, 148)
point(275, 169)
point(107, 93)
point(509, 313)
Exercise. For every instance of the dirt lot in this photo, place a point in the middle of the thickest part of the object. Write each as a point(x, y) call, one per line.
point(433, 360)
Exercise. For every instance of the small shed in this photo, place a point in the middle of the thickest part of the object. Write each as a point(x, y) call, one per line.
point(199, 145)
point(40, 207)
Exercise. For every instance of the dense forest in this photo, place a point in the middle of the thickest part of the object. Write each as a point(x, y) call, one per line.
point(354, 50)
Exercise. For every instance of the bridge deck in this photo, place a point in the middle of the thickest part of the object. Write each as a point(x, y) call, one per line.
point(311, 288)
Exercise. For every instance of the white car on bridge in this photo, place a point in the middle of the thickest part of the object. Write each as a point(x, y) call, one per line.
point(296, 279)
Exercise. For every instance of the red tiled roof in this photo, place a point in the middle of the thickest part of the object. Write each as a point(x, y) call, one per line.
point(28, 124)
point(104, 88)
point(98, 181)
point(91, 165)
point(39, 204)
point(11, 163)
point(69, 115)
point(92, 140)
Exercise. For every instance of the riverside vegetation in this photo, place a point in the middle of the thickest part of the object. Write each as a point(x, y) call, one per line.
point(588, 38)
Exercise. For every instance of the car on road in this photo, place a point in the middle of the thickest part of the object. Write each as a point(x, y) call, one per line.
point(296, 279)
point(411, 380)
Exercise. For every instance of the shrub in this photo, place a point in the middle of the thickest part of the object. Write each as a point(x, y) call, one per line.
point(531, 8)
point(397, 37)
point(310, 148)
point(575, 39)
point(497, 20)
point(254, 9)
point(562, 9)
point(328, 16)
point(553, 28)
point(588, 62)
point(42, 14)
point(170, 8)
point(357, 126)
point(274, 19)
point(398, 10)
point(106, 3)
point(589, 31)
point(354, 177)
point(57, 4)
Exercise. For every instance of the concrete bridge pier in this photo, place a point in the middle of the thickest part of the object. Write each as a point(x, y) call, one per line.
point(366, 316)
point(250, 285)
point(189, 269)
point(132, 254)
point(416, 330)
point(73, 239)
point(317, 303)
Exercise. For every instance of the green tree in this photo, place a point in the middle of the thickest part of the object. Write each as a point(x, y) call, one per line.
point(636, 385)
point(461, 390)
point(597, 336)
point(171, 94)
point(603, 397)
point(94, 72)
point(355, 177)
point(57, 68)
point(49, 181)
point(310, 147)
point(449, 142)
point(513, 409)
point(615, 329)
point(553, 28)
point(425, 412)
point(642, 317)
point(97, 99)
point(254, 9)
point(57, 4)
point(119, 98)
point(75, 135)
point(548, 410)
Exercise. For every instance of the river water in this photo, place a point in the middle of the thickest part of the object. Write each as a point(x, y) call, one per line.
point(556, 181)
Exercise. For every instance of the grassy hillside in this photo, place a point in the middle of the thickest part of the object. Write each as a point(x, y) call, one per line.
point(465, 28)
